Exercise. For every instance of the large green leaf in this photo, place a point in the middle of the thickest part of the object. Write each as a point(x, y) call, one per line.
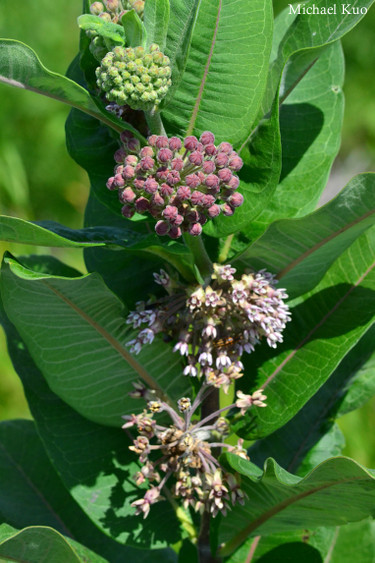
point(13, 229)
point(311, 546)
point(259, 177)
point(225, 75)
point(354, 541)
point(350, 385)
point(55, 314)
point(156, 19)
point(180, 28)
point(33, 494)
point(134, 29)
point(302, 38)
point(311, 119)
point(301, 250)
point(95, 464)
point(326, 324)
point(39, 544)
point(21, 67)
point(310, 127)
point(279, 501)
point(115, 33)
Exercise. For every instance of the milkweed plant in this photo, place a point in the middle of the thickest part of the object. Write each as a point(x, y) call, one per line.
point(185, 390)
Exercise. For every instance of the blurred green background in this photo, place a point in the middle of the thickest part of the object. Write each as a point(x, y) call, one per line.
point(38, 180)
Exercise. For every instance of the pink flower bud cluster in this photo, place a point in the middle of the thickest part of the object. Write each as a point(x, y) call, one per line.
point(186, 452)
point(215, 325)
point(182, 185)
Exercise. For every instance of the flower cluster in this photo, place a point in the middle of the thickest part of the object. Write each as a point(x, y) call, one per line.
point(113, 10)
point(186, 452)
point(181, 185)
point(215, 325)
point(135, 77)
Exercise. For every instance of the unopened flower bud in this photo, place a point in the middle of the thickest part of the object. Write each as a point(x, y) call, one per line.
point(162, 228)
point(127, 211)
point(175, 144)
point(127, 195)
point(225, 147)
point(184, 404)
point(142, 204)
point(96, 8)
point(191, 143)
point(175, 232)
point(207, 138)
point(196, 158)
point(170, 212)
point(233, 183)
point(195, 229)
point(210, 150)
point(236, 199)
point(225, 174)
point(161, 142)
point(208, 166)
point(214, 210)
point(112, 5)
point(165, 155)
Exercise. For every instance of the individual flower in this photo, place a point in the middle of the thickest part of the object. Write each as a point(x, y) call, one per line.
point(246, 401)
point(135, 77)
point(143, 505)
point(181, 184)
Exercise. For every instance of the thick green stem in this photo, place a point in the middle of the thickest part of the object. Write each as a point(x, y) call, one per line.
point(204, 548)
point(201, 258)
point(209, 406)
point(154, 122)
point(225, 250)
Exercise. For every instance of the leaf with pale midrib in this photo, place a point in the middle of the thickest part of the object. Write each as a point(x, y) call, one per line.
point(225, 74)
point(94, 463)
point(300, 251)
point(325, 325)
point(55, 314)
point(279, 501)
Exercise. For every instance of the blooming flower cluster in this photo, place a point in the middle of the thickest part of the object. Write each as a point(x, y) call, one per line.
point(181, 185)
point(134, 76)
point(185, 449)
point(215, 325)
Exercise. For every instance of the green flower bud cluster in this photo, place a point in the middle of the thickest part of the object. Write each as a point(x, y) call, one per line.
point(135, 77)
point(113, 10)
